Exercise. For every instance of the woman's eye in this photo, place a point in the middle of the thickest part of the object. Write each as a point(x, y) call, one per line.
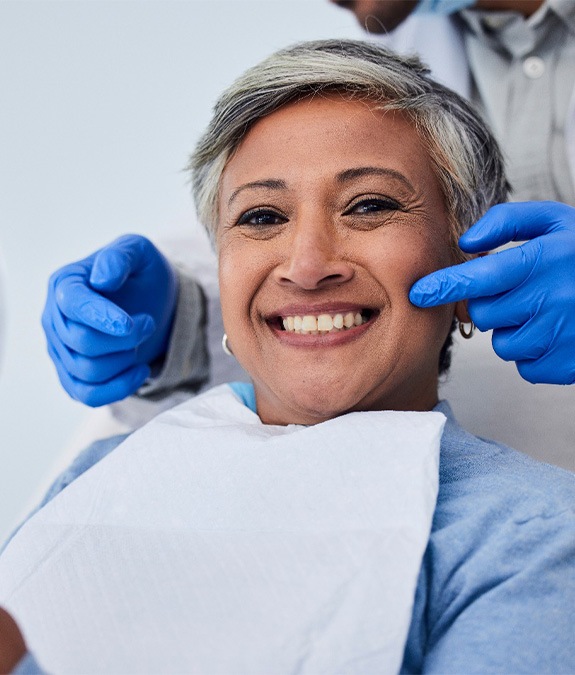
point(372, 205)
point(261, 218)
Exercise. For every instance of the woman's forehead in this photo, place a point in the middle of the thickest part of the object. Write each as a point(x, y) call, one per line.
point(327, 137)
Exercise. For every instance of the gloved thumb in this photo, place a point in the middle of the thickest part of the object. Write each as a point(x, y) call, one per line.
point(110, 270)
point(144, 326)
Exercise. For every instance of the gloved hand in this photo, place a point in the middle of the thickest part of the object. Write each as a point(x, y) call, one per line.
point(108, 317)
point(526, 294)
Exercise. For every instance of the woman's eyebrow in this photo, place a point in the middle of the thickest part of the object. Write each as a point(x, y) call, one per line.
point(270, 183)
point(362, 171)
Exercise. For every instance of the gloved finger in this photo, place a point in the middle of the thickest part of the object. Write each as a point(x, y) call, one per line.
point(527, 342)
point(95, 370)
point(89, 342)
point(81, 304)
point(490, 275)
point(516, 222)
point(114, 263)
point(499, 311)
point(546, 370)
point(95, 395)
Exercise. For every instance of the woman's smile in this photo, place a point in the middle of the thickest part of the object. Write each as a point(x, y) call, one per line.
point(334, 211)
point(322, 326)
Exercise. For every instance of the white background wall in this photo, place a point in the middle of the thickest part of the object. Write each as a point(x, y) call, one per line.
point(100, 104)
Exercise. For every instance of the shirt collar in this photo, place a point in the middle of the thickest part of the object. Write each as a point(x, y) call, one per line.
point(444, 407)
point(511, 31)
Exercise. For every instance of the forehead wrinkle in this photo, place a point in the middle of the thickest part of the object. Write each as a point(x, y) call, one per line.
point(270, 183)
point(362, 171)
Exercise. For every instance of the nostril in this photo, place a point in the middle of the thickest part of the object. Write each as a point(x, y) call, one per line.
point(334, 277)
point(314, 270)
point(331, 280)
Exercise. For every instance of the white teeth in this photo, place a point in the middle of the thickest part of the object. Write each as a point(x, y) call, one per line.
point(348, 320)
point(322, 324)
point(309, 323)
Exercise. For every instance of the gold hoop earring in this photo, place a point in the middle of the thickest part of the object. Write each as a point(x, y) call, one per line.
point(467, 334)
point(225, 345)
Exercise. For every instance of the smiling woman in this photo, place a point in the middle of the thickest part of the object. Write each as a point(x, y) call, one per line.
point(339, 175)
point(302, 524)
point(334, 225)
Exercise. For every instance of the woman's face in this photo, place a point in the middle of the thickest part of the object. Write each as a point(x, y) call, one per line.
point(329, 211)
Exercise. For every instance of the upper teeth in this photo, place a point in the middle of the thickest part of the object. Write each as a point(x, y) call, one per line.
point(323, 323)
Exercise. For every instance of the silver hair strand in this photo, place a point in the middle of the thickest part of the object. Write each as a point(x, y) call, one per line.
point(464, 154)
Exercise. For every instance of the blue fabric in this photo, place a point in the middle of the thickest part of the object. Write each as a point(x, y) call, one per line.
point(442, 7)
point(496, 591)
point(28, 666)
point(246, 393)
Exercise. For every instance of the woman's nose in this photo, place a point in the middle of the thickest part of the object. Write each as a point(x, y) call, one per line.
point(314, 259)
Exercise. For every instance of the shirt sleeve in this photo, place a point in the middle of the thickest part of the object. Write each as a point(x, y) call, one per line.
point(186, 365)
point(510, 608)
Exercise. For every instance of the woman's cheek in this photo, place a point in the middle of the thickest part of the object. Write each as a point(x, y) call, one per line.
point(240, 277)
point(424, 256)
point(230, 286)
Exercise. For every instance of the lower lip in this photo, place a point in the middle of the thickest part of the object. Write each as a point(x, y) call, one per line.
point(322, 341)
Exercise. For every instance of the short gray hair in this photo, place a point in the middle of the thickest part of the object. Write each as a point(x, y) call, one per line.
point(465, 156)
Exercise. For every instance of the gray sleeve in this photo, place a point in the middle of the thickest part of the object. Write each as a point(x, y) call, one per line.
point(187, 365)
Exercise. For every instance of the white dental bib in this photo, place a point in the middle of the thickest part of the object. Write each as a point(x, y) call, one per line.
point(210, 543)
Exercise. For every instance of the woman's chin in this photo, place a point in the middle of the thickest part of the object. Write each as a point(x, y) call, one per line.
point(311, 405)
point(306, 403)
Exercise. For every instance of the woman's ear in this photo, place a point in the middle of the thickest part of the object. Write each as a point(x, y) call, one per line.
point(461, 313)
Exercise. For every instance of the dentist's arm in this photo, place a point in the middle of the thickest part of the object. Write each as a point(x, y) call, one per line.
point(525, 294)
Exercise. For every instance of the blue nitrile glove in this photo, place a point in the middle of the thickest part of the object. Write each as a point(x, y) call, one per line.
point(526, 294)
point(108, 317)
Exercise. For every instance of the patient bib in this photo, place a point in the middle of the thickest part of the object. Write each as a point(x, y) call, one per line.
point(211, 543)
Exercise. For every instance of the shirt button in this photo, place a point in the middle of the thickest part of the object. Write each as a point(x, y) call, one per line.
point(533, 67)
